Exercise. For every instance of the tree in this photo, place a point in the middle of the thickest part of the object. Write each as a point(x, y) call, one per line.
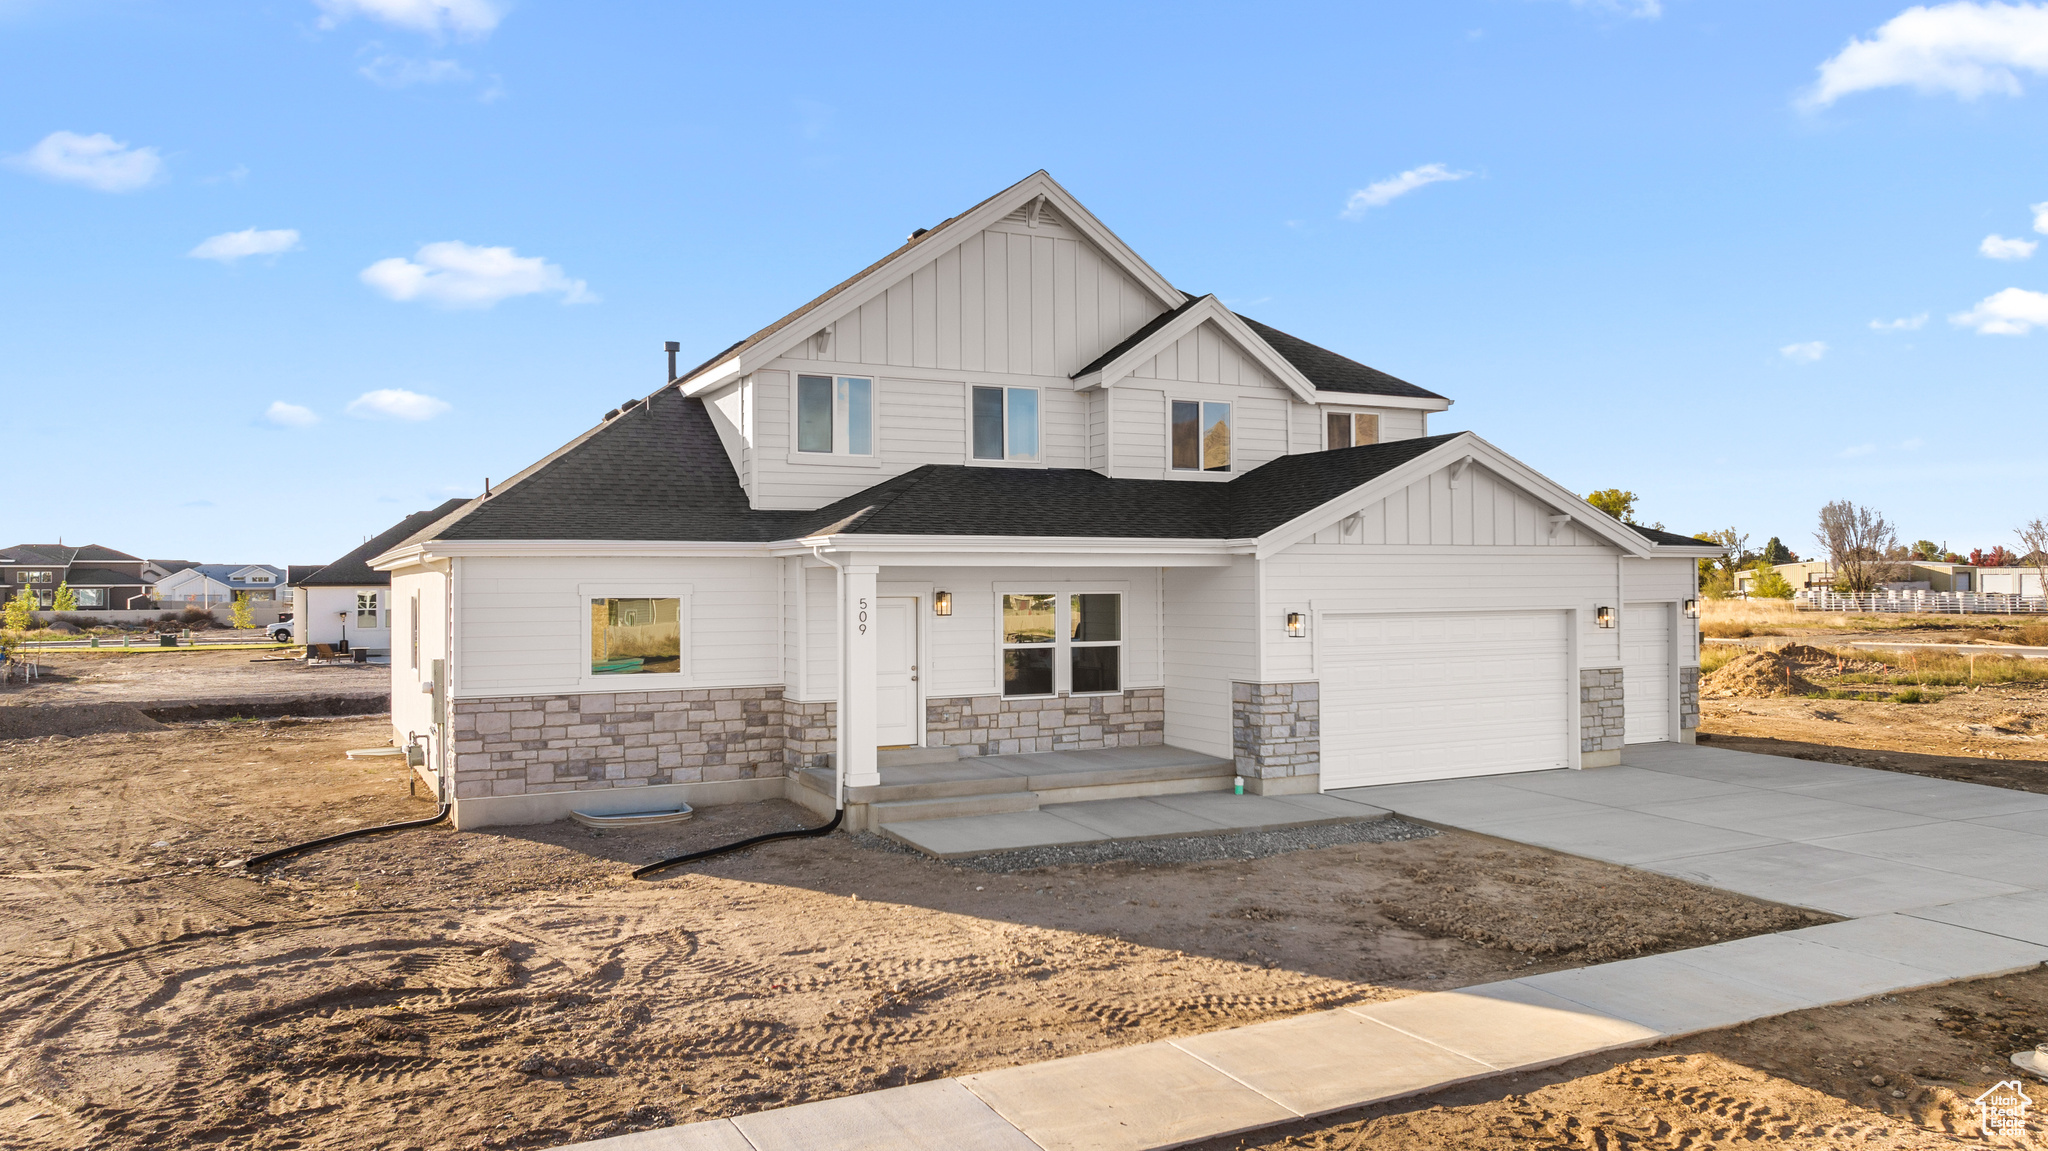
point(1615, 502)
point(1997, 557)
point(1927, 550)
point(242, 616)
point(20, 614)
point(2034, 538)
point(1776, 552)
point(66, 599)
point(1768, 583)
point(1857, 541)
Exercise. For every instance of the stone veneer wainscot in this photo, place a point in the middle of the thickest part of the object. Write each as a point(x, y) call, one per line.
point(1601, 720)
point(993, 725)
point(1688, 698)
point(528, 745)
point(1276, 729)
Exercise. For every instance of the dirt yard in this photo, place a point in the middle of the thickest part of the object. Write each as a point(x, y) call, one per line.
point(1893, 1072)
point(163, 678)
point(442, 990)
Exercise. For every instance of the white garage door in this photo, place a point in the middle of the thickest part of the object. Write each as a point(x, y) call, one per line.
point(1408, 697)
point(1646, 673)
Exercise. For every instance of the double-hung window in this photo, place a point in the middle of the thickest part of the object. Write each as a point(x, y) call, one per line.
point(835, 415)
point(1201, 436)
point(1005, 423)
point(1352, 429)
point(1054, 643)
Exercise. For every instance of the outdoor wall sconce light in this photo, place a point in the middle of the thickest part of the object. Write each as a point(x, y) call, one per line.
point(1692, 609)
point(1297, 625)
point(942, 603)
point(1604, 616)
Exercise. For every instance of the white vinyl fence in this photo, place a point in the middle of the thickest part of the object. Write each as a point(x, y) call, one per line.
point(1929, 602)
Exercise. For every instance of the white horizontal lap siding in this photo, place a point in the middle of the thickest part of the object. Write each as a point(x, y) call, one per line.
point(1209, 645)
point(963, 652)
point(921, 422)
point(1138, 428)
point(411, 709)
point(1346, 578)
point(821, 647)
point(523, 626)
point(1667, 579)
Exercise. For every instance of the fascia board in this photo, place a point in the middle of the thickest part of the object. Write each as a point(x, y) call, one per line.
point(1065, 545)
point(714, 376)
point(1704, 551)
point(1369, 400)
point(881, 279)
point(1207, 310)
point(664, 549)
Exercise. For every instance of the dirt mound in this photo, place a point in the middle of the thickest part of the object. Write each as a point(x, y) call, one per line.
point(26, 722)
point(1764, 673)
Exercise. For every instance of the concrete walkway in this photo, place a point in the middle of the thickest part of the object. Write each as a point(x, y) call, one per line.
point(1948, 879)
point(1135, 817)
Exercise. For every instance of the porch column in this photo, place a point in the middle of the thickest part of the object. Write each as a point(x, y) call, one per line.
point(857, 680)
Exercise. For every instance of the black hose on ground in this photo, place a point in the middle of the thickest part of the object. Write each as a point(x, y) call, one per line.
point(707, 853)
point(258, 861)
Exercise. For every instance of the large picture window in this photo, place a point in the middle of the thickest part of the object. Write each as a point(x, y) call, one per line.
point(1005, 423)
point(90, 596)
point(635, 636)
point(1352, 429)
point(1046, 634)
point(835, 415)
point(1201, 436)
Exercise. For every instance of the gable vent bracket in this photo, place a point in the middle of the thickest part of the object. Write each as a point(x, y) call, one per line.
point(1556, 522)
point(822, 342)
point(1031, 213)
point(1458, 471)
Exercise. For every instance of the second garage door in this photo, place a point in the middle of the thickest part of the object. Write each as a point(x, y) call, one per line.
point(1438, 696)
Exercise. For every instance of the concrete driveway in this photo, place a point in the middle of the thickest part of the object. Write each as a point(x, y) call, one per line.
point(1848, 840)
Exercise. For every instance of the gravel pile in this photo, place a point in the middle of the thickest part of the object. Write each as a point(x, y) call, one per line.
point(1181, 849)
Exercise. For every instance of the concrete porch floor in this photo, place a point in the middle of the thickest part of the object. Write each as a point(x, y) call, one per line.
point(1153, 817)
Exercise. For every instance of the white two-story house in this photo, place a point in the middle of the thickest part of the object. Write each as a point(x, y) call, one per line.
point(1008, 490)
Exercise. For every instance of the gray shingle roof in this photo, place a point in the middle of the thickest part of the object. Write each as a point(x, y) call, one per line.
point(101, 577)
point(1673, 539)
point(658, 472)
point(1330, 372)
point(353, 569)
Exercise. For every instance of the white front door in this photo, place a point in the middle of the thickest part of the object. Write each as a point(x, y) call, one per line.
point(1646, 675)
point(1439, 696)
point(897, 701)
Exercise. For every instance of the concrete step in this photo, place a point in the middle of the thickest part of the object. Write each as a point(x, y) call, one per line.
point(1166, 817)
point(936, 783)
point(958, 807)
point(911, 756)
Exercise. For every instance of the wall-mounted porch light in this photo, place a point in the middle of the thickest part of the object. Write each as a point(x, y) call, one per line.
point(1297, 624)
point(942, 603)
point(1692, 609)
point(1604, 616)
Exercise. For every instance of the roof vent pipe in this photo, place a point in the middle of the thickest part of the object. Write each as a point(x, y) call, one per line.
point(916, 234)
point(672, 347)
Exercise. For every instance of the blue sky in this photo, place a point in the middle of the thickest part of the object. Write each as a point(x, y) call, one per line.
point(280, 273)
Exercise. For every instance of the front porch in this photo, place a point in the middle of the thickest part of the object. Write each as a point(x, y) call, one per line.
point(949, 807)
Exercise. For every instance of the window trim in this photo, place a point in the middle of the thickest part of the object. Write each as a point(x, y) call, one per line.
point(1222, 474)
point(1062, 592)
point(1008, 461)
point(588, 680)
point(837, 457)
point(1378, 425)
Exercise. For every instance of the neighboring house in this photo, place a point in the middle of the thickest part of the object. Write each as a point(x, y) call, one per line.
point(2011, 581)
point(348, 599)
point(1920, 575)
point(213, 585)
point(101, 579)
point(1010, 490)
point(155, 571)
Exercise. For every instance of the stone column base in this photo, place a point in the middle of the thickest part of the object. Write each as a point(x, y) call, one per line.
point(1283, 785)
point(1600, 758)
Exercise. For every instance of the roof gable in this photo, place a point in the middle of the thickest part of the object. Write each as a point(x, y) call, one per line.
point(1331, 372)
point(1033, 194)
point(1119, 362)
point(353, 569)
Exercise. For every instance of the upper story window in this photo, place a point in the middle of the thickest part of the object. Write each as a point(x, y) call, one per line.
point(835, 415)
point(1352, 429)
point(32, 576)
point(259, 579)
point(1005, 424)
point(1201, 436)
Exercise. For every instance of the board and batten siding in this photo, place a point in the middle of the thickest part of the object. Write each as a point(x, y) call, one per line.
point(1484, 509)
point(1209, 645)
point(524, 625)
point(1012, 299)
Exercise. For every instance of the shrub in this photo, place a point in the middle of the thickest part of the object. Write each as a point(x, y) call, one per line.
point(1915, 695)
point(20, 613)
point(1769, 584)
point(196, 617)
point(243, 618)
point(65, 600)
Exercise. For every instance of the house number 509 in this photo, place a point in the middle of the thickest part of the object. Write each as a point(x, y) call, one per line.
point(863, 617)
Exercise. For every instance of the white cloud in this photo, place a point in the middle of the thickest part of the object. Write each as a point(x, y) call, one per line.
point(461, 17)
point(2040, 216)
point(458, 275)
point(1902, 324)
point(396, 404)
point(2013, 312)
point(1641, 9)
point(286, 415)
point(1384, 192)
point(1805, 353)
point(97, 161)
point(231, 246)
point(1966, 48)
point(404, 72)
point(1998, 247)
point(1858, 450)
